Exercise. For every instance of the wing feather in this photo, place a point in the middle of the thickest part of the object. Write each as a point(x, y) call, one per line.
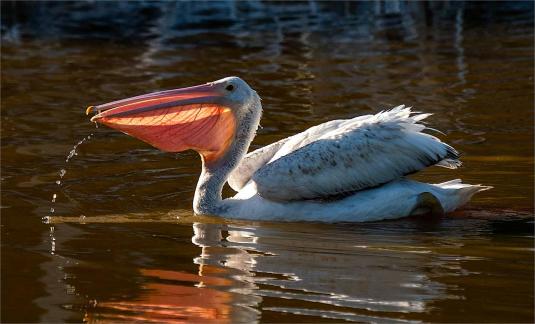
point(357, 154)
point(258, 158)
point(252, 162)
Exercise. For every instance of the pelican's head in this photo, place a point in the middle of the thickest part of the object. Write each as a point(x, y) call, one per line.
point(204, 118)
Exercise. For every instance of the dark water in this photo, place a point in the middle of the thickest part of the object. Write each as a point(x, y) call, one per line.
point(122, 243)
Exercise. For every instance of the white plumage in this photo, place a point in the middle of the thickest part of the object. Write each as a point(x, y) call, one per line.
point(393, 200)
point(344, 156)
point(348, 170)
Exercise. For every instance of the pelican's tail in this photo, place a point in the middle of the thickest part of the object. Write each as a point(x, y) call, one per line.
point(453, 194)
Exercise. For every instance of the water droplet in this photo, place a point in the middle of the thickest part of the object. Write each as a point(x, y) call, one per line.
point(71, 154)
point(63, 172)
point(73, 151)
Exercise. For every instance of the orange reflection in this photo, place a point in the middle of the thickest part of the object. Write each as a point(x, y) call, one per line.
point(172, 302)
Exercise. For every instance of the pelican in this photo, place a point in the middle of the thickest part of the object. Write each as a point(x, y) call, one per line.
point(348, 170)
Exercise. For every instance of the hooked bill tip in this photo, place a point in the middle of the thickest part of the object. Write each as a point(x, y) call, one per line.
point(89, 110)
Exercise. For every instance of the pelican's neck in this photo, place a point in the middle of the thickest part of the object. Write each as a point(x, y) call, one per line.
point(208, 199)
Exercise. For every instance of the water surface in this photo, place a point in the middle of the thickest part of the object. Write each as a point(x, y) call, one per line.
point(122, 243)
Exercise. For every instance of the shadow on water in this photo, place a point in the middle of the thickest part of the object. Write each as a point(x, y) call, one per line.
point(139, 254)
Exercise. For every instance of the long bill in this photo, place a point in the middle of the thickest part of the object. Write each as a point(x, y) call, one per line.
point(198, 118)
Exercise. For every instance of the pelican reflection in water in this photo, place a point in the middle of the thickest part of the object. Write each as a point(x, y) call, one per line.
point(241, 267)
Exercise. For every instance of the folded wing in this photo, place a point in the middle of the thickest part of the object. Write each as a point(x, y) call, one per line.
point(256, 159)
point(252, 162)
point(348, 155)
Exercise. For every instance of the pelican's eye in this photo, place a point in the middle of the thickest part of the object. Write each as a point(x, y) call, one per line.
point(229, 88)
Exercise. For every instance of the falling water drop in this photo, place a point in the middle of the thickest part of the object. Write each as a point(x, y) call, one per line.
point(62, 172)
point(52, 240)
point(73, 152)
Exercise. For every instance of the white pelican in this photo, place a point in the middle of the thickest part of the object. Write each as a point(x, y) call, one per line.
point(347, 170)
